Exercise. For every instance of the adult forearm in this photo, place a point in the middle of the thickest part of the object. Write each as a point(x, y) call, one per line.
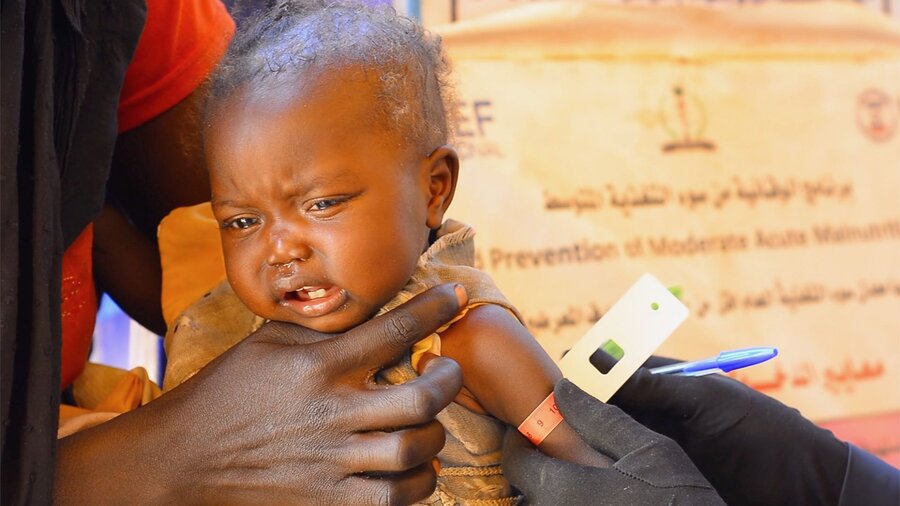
point(127, 266)
point(286, 416)
point(128, 460)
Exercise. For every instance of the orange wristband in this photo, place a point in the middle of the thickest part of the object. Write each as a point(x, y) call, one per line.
point(541, 421)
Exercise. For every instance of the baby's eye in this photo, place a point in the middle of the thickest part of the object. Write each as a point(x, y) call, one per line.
point(324, 204)
point(242, 223)
point(328, 207)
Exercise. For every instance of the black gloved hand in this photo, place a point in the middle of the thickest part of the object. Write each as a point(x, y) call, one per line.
point(752, 448)
point(650, 469)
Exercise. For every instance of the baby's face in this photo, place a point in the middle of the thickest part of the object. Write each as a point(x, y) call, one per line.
point(322, 209)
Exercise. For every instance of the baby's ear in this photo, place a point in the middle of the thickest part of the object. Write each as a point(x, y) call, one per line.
point(443, 169)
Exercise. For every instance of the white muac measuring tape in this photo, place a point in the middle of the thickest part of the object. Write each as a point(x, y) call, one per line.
point(613, 349)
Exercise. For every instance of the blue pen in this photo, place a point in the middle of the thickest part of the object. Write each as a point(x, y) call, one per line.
point(724, 362)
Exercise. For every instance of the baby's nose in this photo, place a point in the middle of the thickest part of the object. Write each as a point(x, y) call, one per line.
point(287, 249)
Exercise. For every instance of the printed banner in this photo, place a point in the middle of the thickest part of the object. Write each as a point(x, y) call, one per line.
point(756, 168)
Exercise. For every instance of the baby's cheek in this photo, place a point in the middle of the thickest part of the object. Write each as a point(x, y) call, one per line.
point(251, 292)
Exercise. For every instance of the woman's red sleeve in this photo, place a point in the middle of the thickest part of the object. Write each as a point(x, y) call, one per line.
point(181, 43)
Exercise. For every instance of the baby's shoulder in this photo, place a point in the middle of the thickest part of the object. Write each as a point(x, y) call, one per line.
point(486, 328)
point(485, 318)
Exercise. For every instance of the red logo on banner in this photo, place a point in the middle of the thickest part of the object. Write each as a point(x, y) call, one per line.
point(876, 115)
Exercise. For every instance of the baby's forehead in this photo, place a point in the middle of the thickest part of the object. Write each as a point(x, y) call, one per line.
point(323, 108)
point(357, 92)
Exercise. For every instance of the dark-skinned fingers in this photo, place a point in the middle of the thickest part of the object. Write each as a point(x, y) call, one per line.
point(393, 452)
point(413, 403)
point(382, 340)
point(390, 489)
point(283, 333)
point(423, 361)
point(442, 370)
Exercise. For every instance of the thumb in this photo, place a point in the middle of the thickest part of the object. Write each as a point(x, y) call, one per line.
point(545, 480)
point(685, 407)
point(648, 393)
point(645, 390)
point(526, 459)
point(604, 427)
point(639, 452)
point(424, 360)
point(659, 361)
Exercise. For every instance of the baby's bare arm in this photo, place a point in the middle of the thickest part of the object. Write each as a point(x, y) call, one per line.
point(509, 374)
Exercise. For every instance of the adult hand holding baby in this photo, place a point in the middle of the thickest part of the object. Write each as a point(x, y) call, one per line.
point(751, 447)
point(289, 415)
point(648, 468)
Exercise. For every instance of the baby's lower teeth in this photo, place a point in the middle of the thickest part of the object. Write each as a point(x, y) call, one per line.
point(317, 294)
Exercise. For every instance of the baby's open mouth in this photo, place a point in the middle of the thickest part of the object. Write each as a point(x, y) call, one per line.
point(315, 300)
point(308, 293)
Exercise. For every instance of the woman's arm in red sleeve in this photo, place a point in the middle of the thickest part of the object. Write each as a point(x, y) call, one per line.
point(158, 163)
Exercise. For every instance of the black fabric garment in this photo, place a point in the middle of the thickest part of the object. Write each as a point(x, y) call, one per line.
point(648, 468)
point(752, 448)
point(63, 63)
point(869, 480)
